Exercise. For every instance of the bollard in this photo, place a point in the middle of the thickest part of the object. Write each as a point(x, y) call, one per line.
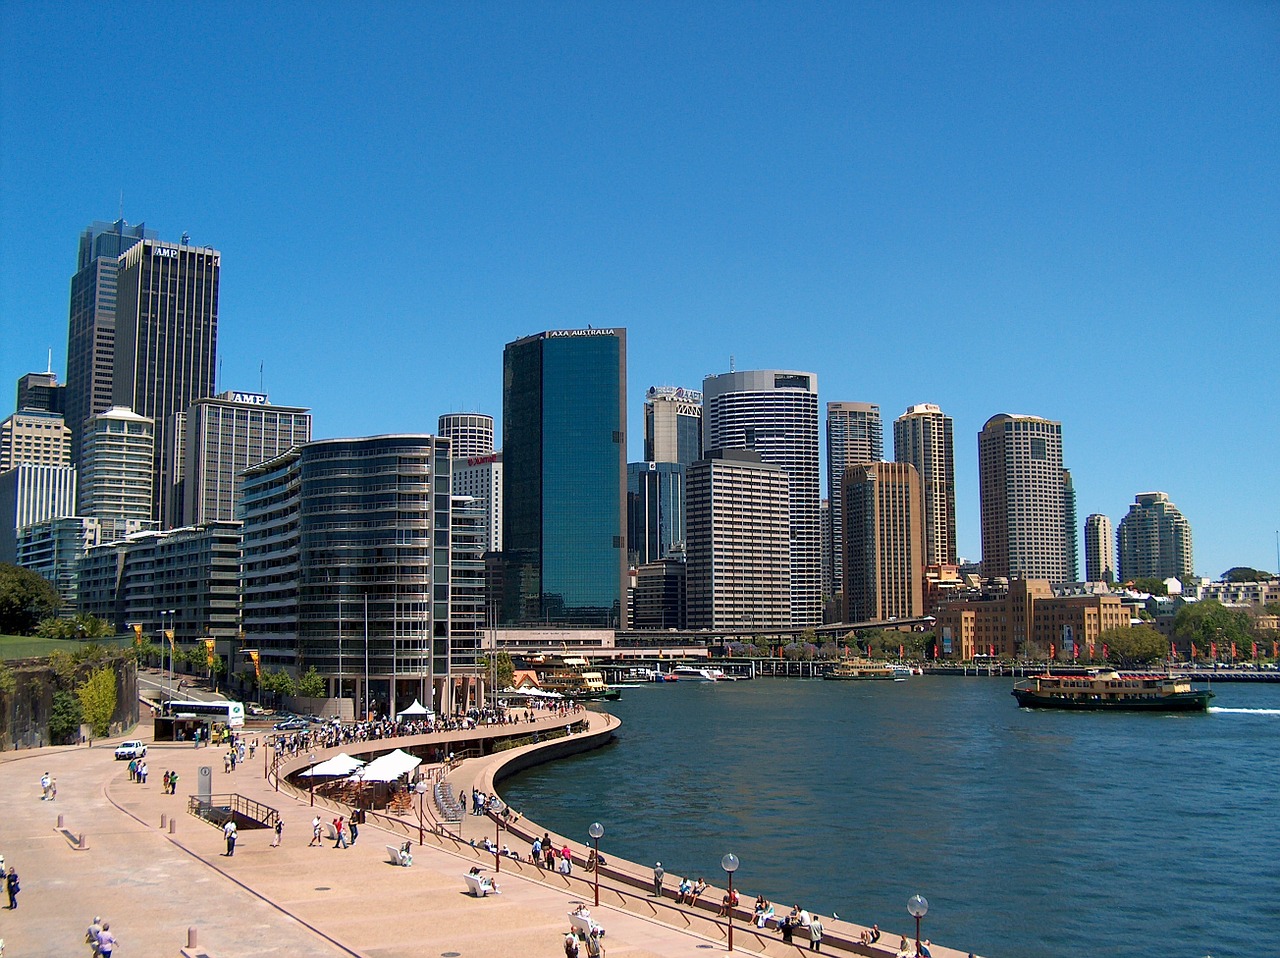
point(164, 819)
point(173, 829)
point(80, 842)
point(61, 823)
point(191, 937)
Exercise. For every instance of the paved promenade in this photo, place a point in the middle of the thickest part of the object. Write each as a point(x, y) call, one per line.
point(296, 900)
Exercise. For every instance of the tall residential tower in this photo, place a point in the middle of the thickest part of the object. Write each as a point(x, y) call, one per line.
point(1154, 539)
point(922, 436)
point(855, 437)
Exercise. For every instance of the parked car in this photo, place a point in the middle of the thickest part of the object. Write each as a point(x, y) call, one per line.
point(127, 750)
point(292, 725)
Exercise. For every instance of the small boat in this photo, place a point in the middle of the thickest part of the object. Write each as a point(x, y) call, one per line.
point(700, 673)
point(864, 670)
point(1105, 690)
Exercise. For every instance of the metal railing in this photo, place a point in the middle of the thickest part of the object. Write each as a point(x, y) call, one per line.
point(220, 809)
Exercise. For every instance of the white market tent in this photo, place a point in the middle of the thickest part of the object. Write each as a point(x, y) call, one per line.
point(340, 764)
point(416, 709)
point(532, 693)
point(389, 767)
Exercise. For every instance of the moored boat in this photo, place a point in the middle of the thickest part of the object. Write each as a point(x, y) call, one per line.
point(700, 673)
point(1104, 690)
point(862, 670)
point(572, 677)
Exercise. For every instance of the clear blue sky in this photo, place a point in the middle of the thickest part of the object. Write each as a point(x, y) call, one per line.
point(1068, 210)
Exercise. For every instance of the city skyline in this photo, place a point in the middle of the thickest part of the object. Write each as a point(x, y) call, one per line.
point(975, 209)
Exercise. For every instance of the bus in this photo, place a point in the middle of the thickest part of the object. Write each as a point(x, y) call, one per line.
point(230, 714)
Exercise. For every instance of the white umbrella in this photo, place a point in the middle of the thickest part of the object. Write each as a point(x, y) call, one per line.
point(340, 764)
point(417, 708)
point(389, 767)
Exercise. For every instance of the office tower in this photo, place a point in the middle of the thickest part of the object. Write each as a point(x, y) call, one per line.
point(738, 568)
point(659, 598)
point(166, 342)
point(775, 412)
point(40, 392)
point(1154, 540)
point(480, 477)
point(828, 579)
point(468, 606)
point(348, 539)
point(471, 433)
point(884, 543)
point(116, 473)
point(53, 548)
point(1023, 499)
point(31, 494)
point(226, 435)
point(922, 436)
point(655, 511)
point(38, 438)
point(1071, 537)
point(564, 478)
point(672, 425)
point(91, 328)
point(855, 437)
point(1099, 549)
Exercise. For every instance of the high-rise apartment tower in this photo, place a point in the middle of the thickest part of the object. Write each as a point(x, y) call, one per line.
point(1099, 549)
point(884, 542)
point(775, 412)
point(922, 436)
point(855, 437)
point(1154, 539)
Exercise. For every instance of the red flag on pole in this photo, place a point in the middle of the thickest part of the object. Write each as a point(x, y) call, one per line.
point(1233, 650)
point(1275, 649)
point(1053, 651)
point(991, 650)
point(1075, 651)
point(1173, 650)
point(1091, 650)
point(1255, 650)
point(1213, 651)
point(1104, 650)
point(901, 653)
point(1194, 653)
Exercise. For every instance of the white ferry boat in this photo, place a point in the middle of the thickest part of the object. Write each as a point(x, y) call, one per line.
point(700, 673)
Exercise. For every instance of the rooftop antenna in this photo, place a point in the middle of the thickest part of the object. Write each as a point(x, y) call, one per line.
point(260, 365)
point(49, 368)
point(121, 216)
point(731, 367)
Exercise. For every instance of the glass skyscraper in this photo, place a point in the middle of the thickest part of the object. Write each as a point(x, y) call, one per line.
point(564, 477)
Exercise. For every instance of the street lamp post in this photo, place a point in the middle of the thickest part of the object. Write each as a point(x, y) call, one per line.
point(730, 865)
point(421, 789)
point(311, 779)
point(497, 849)
point(170, 638)
point(918, 907)
point(596, 831)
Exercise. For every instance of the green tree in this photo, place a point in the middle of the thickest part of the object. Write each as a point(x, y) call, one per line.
point(8, 681)
point(311, 684)
point(1151, 585)
point(1210, 621)
point(25, 599)
point(98, 699)
point(217, 669)
point(65, 718)
point(1271, 608)
point(502, 668)
point(1243, 573)
point(1139, 645)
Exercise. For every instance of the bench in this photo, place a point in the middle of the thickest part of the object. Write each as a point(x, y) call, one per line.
point(478, 886)
point(393, 854)
point(582, 926)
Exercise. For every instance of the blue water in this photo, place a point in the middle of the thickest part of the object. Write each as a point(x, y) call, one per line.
point(1031, 833)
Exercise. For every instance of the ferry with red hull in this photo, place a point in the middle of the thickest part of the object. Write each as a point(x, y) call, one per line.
point(1110, 691)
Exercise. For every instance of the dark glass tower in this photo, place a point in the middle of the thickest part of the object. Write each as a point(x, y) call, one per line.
point(91, 329)
point(165, 343)
point(564, 477)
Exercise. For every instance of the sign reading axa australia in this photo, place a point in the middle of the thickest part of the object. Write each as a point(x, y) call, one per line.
point(558, 333)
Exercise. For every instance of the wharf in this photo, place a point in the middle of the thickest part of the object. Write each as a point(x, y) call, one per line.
point(153, 883)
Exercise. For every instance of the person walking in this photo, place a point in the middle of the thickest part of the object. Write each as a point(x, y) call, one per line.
point(12, 886)
point(91, 934)
point(658, 875)
point(340, 832)
point(815, 933)
point(275, 842)
point(356, 818)
point(315, 832)
point(229, 830)
point(106, 941)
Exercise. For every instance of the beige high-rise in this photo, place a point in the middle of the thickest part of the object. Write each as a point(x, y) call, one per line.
point(884, 542)
point(922, 436)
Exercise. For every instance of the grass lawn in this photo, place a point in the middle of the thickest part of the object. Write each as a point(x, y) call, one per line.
point(30, 646)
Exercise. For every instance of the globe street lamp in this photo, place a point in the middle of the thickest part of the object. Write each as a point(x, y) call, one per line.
point(596, 831)
point(918, 907)
point(730, 865)
point(421, 789)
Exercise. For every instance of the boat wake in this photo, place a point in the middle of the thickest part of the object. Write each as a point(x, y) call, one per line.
point(1214, 708)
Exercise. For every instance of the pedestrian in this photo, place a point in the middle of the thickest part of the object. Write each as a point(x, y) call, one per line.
point(12, 886)
point(275, 843)
point(340, 828)
point(354, 825)
point(570, 945)
point(566, 860)
point(658, 874)
point(91, 935)
point(53, 789)
point(44, 787)
point(106, 940)
point(315, 832)
point(229, 830)
point(142, 773)
point(815, 933)
point(173, 783)
point(595, 947)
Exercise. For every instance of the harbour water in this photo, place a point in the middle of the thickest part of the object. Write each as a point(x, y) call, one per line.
point(1032, 834)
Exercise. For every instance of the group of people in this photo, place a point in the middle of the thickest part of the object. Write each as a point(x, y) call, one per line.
point(544, 853)
point(100, 938)
point(138, 769)
point(170, 783)
point(689, 891)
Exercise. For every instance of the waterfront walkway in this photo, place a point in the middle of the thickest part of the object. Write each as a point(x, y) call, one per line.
point(155, 883)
